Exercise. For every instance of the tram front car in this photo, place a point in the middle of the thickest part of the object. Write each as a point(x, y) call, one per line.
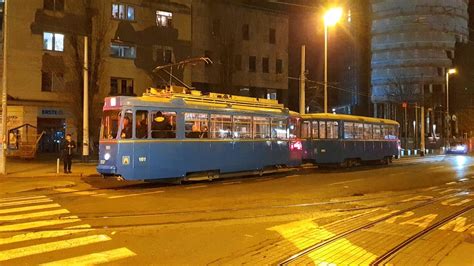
point(108, 147)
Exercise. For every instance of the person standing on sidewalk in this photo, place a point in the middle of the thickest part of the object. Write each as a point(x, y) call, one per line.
point(67, 149)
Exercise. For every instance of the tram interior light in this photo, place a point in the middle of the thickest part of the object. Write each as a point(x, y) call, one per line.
point(113, 101)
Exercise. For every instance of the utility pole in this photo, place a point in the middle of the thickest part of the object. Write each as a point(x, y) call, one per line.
point(85, 124)
point(422, 118)
point(303, 80)
point(325, 68)
point(3, 161)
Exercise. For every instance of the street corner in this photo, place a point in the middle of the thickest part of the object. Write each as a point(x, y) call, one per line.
point(22, 185)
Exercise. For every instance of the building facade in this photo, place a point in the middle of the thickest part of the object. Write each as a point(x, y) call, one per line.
point(413, 47)
point(126, 41)
point(248, 47)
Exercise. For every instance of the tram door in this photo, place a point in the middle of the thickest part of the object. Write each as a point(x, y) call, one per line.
point(141, 148)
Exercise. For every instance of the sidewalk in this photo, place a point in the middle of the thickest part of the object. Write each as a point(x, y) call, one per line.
point(40, 168)
point(40, 174)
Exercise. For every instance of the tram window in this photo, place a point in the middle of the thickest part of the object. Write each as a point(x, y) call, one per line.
point(242, 127)
point(221, 126)
point(127, 125)
point(110, 122)
point(315, 129)
point(377, 132)
point(322, 129)
point(196, 125)
point(141, 128)
point(332, 129)
point(163, 125)
point(389, 132)
point(348, 130)
point(279, 130)
point(293, 126)
point(305, 129)
point(359, 130)
point(368, 131)
point(261, 127)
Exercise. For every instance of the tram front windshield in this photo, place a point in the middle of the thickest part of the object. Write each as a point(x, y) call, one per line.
point(110, 124)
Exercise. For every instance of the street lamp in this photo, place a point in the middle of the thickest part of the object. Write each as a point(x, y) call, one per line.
point(331, 17)
point(451, 71)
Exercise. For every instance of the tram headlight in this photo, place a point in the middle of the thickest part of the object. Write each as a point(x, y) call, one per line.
point(107, 156)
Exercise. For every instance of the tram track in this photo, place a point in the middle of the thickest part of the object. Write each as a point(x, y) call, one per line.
point(395, 250)
point(325, 243)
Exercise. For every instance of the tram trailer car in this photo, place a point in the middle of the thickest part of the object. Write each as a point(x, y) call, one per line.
point(347, 140)
point(164, 135)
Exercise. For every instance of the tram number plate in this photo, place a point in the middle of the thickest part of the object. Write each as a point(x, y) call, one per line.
point(142, 159)
point(125, 160)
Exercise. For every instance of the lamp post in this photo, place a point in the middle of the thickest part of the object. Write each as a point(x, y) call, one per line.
point(331, 17)
point(451, 71)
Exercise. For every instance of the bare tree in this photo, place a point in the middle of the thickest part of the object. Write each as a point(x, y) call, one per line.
point(96, 27)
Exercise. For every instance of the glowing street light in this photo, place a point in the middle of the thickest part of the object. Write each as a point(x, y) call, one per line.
point(331, 17)
point(451, 71)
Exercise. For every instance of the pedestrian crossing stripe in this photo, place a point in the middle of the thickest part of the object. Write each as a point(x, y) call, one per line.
point(94, 258)
point(25, 202)
point(36, 224)
point(30, 208)
point(51, 246)
point(20, 208)
point(42, 235)
point(22, 198)
point(32, 215)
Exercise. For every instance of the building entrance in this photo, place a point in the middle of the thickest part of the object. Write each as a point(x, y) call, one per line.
point(54, 129)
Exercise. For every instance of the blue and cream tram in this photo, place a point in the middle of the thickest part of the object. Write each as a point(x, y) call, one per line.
point(347, 140)
point(165, 135)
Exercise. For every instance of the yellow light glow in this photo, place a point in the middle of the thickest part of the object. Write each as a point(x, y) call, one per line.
point(452, 71)
point(332, 16)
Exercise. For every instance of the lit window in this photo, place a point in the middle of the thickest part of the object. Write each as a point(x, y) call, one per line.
point(123, 12)
point(261, 127)
point(242, 127)
point(305, 130)
point(279, 129)
point(221, 126)
point(163, 18)
point(196, 125)
point(53, 41)
point(122, 51)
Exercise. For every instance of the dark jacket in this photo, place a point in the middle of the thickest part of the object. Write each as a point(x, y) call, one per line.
point(67, 148)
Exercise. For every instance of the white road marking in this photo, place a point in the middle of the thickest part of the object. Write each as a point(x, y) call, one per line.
point(345, 182)
point(95, 258)
point(194, 187)
point(22, 198)
point(41, 235)
point(51, 246)
point(30, 208)
point(231, 183)
point(451, 183)
point(437, 167)
point(32, 215)
point(136, 194)
point(76, 192)
point(25, 202)
point(36, 224)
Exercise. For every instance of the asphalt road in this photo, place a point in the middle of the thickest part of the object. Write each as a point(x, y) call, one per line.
point(413, 212)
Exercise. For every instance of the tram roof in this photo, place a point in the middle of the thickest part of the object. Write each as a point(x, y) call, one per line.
point(213, 101)
point(353, 118)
